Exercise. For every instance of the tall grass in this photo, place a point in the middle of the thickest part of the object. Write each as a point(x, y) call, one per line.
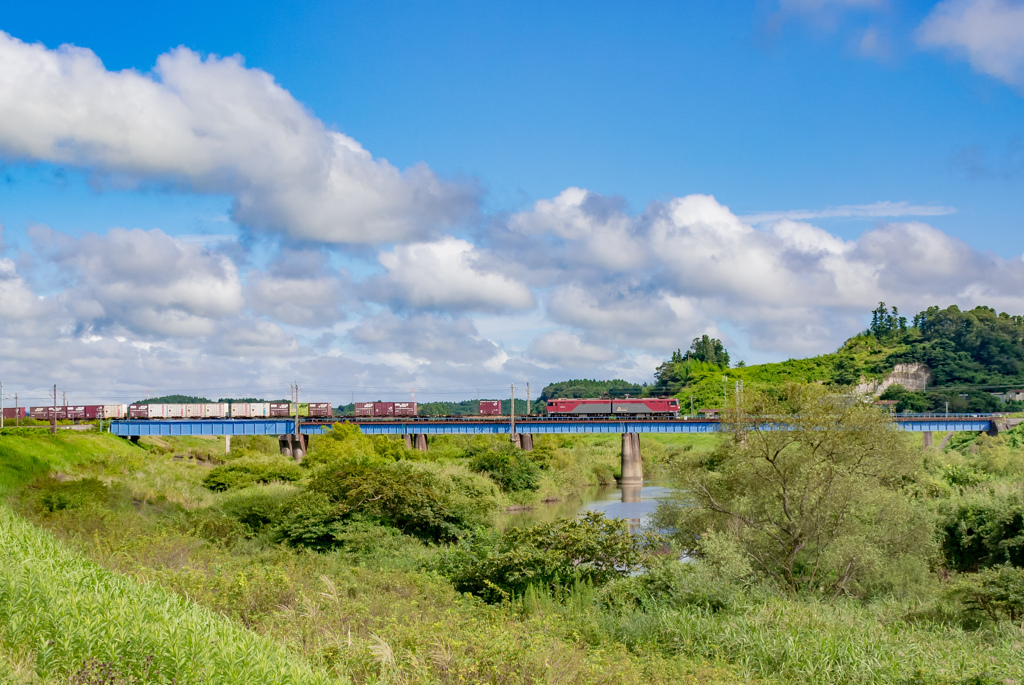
point(63, 610)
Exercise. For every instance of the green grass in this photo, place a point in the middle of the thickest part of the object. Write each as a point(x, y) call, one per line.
point(26, 454)
point(63, 610)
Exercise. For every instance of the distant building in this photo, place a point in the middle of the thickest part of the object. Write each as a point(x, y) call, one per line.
point(709, 413)
point(1010, 395)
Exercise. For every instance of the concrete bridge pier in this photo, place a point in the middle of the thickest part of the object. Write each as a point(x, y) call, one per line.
point(928, 439)
point(293, 446)
point(407, 439)
point(227, 444)
point(420, 440)
point(523, 441)
point(632, 461)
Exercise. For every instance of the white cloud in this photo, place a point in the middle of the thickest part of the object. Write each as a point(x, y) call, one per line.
point(214, 126)
point(988, 33)
point(449, 274)
point(875, 210)
point(560, 347)
point(598, 231)
point(298, 288)
point(145, 280)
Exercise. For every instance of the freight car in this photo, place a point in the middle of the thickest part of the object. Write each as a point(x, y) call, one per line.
point(488, 408)
point(383, 410)
point(226, 410)
point(14, 412)
point(87, 412)
point(615, 408)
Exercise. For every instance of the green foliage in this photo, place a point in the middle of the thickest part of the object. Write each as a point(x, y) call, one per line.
point(511, 468)
point(981, 529)
point(817, 507)
point(247, 471)
point(346, 444)
point(68, 611)
point(259, 506)
point(55, 495)
point(997, 592)
point(424, 500)
point(706, 355)
point(590, 549)
point(175, 399)
point(714, 581)
point(589, 388)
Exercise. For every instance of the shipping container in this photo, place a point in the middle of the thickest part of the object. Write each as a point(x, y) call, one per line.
point(104, 411)
point(405, 409)
point(47, 413)
point(489, 407)
point(138, 411)
point(320, 409)
point(383, 408)
point(192, 410)
point(278, 409)
point(216, 410)
point(364, 408)
point(173, 411)
point(15, 412)
point(74, 413)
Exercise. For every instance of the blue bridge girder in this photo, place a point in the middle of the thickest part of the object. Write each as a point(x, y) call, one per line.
point(185, 427)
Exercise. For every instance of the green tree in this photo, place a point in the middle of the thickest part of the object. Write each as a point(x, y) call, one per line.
point(818, 506)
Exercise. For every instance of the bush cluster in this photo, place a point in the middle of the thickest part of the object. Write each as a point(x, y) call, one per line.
point(555, 556)
point(511, 468)
point(248, 471)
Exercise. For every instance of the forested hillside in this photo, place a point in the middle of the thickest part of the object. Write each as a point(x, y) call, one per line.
point(970, 354)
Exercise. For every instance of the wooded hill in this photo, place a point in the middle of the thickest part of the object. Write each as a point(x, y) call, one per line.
point(971, 354)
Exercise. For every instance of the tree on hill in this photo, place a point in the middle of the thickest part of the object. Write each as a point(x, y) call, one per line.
point(706, 355)
point(175, 399)
point(577, 388)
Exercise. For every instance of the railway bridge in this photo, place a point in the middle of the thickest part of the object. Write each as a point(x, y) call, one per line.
point(293, 437)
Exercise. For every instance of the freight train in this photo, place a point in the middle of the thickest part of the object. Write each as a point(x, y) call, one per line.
point(641, 408)
point(206, 410)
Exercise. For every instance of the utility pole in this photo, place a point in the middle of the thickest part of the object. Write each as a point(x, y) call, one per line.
point(527, 399)
point(2, 404)
point(691, 404)
point(725, 394)
point(64, 397)
point(512, 416)
point(53, 416)
point(17, 412)
point(295, 393)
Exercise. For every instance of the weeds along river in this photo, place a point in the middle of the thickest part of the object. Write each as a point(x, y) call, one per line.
point(636, 504)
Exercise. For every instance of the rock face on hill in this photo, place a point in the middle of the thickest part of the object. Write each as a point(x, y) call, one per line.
point(914, 377)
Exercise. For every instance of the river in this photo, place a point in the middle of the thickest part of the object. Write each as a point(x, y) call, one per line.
point(635, 504)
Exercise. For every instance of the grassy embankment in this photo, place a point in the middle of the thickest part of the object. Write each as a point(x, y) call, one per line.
point(371, 610)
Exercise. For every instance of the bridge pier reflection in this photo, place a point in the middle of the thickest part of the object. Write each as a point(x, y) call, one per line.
point(632, 461)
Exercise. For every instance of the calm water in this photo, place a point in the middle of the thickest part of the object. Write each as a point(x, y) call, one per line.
point(635, 504)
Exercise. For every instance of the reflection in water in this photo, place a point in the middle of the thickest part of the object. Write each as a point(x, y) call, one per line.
point(635, 503)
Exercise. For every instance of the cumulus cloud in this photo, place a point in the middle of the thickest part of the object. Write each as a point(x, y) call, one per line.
point(214, 126)
point(448, 274)
point(146, 281)
point(788, 285)
point(988, 33)
point(562, 348)
point(298, 288)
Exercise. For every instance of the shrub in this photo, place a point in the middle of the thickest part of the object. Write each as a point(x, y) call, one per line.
point(553, 556)
point(982, 529)
point(996, 592)
point(423, 500)
point(311, 520)
point(249, 471)
point(507, 466)
point(259, 506)
point(55, 495)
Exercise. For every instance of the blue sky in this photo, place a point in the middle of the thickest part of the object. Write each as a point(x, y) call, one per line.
point(489, 116)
